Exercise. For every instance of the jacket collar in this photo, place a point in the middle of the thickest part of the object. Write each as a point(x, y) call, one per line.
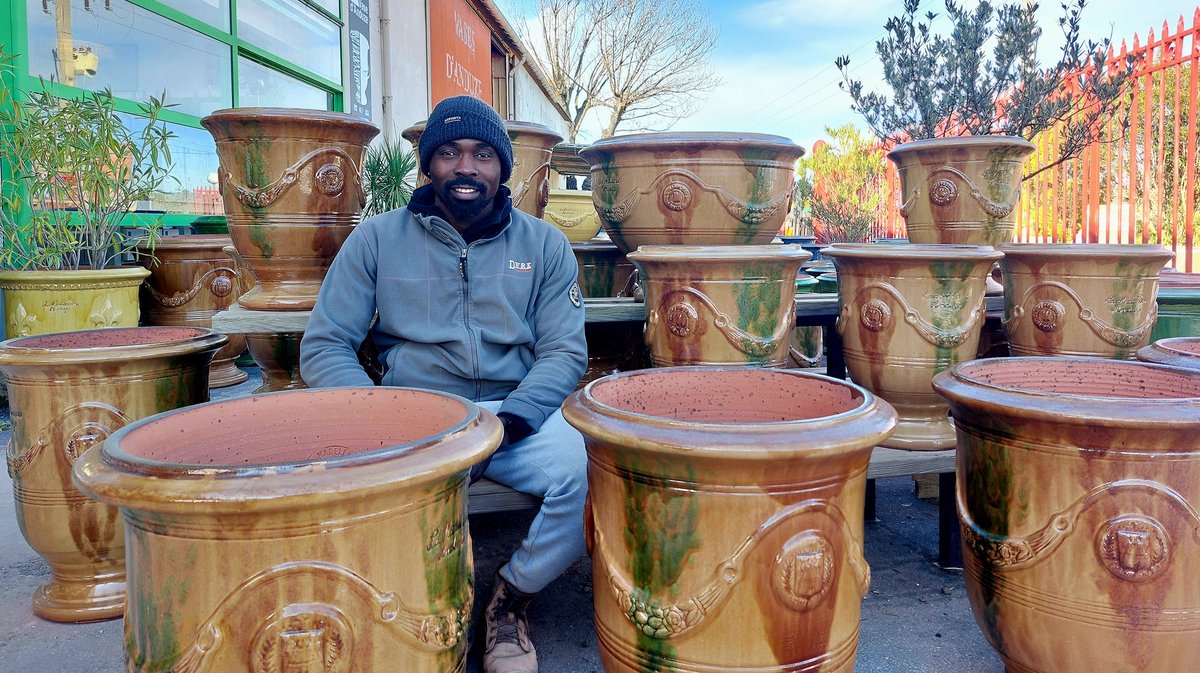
point(424, 205)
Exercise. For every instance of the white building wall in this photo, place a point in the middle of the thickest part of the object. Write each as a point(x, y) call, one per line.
point(532, 104)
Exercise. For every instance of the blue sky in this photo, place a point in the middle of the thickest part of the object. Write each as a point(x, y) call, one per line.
point(776, 56)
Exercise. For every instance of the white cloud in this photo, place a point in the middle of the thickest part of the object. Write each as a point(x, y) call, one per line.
point(808, 13)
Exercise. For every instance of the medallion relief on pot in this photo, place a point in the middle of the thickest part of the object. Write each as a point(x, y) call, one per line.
point(804, 571)
point(217, 279)
point(676, 195)
point(311, 638)
point(1048, 315)
point(1133, 547)
point(329, 178)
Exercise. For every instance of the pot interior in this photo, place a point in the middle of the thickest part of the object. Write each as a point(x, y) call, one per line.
point(716, 395)
point(1084, 377)
point(1184, 345)
point(108, 338)
point(292, 427)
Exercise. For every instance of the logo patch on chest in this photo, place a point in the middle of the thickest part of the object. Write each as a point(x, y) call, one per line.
point(514, 265)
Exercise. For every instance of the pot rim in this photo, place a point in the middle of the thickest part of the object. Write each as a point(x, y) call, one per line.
point(719, 253)
point(283, 114)
point(132, 274)
point(1168, 347)
point(189, 242)
point(1068, 408)
point(1146, 251)
point(532, 128)
point(930, 251)
point(770, 440)
point(13, 354)
point(671, 140)
point(996, 140)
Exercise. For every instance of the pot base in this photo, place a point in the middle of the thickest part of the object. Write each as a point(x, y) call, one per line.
point(90, 596)
point(223, 374)
point(927, 433)
point(269, 297)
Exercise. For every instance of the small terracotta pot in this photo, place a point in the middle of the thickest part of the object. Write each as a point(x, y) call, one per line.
point(1178, 306)
point(278, 359)
point(692, 188)
point(961, 190)
point(906, 313)
point(46, 302)
point(1080, 299)
point(604, 271)
point(315, 530)
point(69, 391)
point(1077, 499)
point(1177, 352)
point(572, 211)
point(719, 305)
point(725, 517)
point(292, 189)
point(191, 279)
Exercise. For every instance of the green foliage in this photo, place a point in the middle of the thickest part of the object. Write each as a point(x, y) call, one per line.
point(838, 184)
point(950, 86)
point(75, 172)
point(389, 175)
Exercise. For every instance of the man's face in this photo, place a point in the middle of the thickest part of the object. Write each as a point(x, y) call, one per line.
point(465, 175)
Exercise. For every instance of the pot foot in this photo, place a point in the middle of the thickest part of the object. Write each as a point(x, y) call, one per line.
point(83, 598)
point(922, 434)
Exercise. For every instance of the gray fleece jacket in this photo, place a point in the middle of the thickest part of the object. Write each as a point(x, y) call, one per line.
point(499, 319)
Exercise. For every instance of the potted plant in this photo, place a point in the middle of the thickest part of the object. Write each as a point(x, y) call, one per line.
point(75, 171)
point(965, 105)
point(389, 177)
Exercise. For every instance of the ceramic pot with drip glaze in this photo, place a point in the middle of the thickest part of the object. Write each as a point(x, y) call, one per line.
point(1078, 486)
point(724, 517)
point(1080, 299)
point(961, 190)
point(692, 188)
point(719, 305)
point(1176, 351)
point(907, 312)
point(292, 188)
point(572, 212)
point(278, 358)
point(604, 271)
point(45, 302)
point(69, 391)
point(807, 342)
point(190, 280)
point(309, 530)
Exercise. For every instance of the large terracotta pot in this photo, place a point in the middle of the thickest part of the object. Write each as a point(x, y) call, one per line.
point(719, 305)
point(573, 213)
point(1178, 306)
point(45, 302)
point(1176, 351)
point(70, 391)
point(907, 312)
point(692, 188)
point(278, 358)
point(604, 271)
point(1080, 299)
point(961, 190)
point(725, 517)
point(190, 280)
point(292, 189)
point(316, 530)
point(1078, 485)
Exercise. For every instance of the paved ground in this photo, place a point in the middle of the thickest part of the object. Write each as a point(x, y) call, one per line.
point(915, 620)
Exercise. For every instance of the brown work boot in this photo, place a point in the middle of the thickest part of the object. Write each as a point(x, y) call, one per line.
point(507, 648)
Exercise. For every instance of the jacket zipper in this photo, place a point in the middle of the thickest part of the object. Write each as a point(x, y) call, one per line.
point(462, 269)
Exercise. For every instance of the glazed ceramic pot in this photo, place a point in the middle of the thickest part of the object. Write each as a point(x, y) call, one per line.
point(69, 391)
point(210, 224)
point(278, 358)
point(905, 314)
point(827, 283)
point(1080, 299)
point(46, 302)
point(724, 517)
point(719, 305)
point(291, 184)
point(807, 342)
point(1176, 351)
point(961, 190)
point(692, 188)
point(190, 280)
point(1078, 486)
point(313, 530)
point(572, 212)
point(1178, 306)
point(604, 271)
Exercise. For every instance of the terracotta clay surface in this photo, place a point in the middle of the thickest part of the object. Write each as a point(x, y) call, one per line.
point(572, 211)
point(719, 305)
point(961, 190)
point(67, 392)
point(604, 270)
point(292, 189)
point(190, 280)
point(725, 517)
point(1176, 351)
point(1080, 299)
point(1078, 484)
point(298, 531)
point(278, 358)
point(692, 188)
point(42, 302)
point(907, 312)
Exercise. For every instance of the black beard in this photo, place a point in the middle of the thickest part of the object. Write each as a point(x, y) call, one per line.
point(464, 211)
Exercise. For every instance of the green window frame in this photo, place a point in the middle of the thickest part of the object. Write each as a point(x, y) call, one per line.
point(14, 36)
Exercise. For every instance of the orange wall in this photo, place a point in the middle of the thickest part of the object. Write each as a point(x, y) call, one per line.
point(460, 49)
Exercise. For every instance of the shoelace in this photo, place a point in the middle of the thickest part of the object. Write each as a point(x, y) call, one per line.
point(507, 630)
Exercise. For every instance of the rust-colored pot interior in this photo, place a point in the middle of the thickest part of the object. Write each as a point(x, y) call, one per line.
point(1083, 377)
point(715, 395)
point(293, 427)
point(1183, 345)
point(107, 338)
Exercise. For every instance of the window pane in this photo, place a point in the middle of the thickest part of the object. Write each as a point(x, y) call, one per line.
point(133, 52)
point(213, 12)
point(194, 155)
point(260, 86)
point(330, 6)
point(294, 32)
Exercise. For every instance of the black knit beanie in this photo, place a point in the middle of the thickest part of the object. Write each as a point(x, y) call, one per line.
point(466, 117)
